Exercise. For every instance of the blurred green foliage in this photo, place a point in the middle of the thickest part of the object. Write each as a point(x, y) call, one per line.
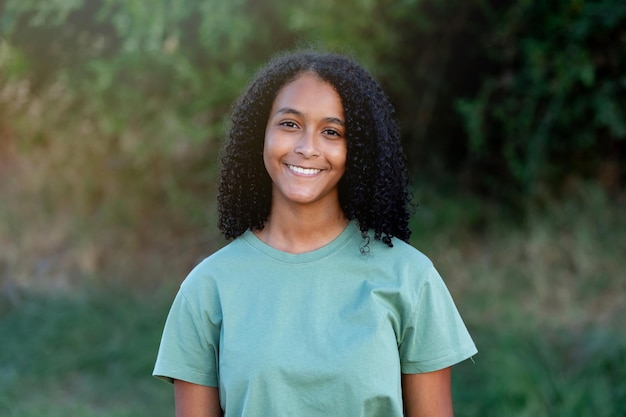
point(111, 114)
point(555, 105)
point(505, 98)
point(82, 356)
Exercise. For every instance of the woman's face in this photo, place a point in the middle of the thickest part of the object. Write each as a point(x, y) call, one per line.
point(305, 145)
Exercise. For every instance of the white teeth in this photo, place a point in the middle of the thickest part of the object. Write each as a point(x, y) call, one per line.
point(303, 171)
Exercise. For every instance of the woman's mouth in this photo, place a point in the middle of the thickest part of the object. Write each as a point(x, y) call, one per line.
point(303, 171)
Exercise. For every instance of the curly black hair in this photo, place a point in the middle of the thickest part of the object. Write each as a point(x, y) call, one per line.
point(374, 187)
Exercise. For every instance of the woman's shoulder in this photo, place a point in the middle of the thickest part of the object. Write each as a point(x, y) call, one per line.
point(217, 264)
point(400, 252)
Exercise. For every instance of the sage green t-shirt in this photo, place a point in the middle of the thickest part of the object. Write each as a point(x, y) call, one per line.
point(323, 333)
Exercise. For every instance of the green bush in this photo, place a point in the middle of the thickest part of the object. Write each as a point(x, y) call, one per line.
point(554, 105)
point(507, 98)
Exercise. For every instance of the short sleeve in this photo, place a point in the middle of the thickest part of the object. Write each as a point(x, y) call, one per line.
point(435, 337)
point(190, 341)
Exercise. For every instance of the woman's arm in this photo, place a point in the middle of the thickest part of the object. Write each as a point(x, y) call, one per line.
point(194, 400)
point(428, 394)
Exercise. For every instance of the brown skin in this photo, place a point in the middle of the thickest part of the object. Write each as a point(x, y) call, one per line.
point(305, 156)
point(428, 394)
point(194, 400)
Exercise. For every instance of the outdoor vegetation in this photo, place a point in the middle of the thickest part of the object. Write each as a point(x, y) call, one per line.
point(112, 114)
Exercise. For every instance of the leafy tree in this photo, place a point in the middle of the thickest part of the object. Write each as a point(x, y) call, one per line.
point(555, 104)
point(504, 97)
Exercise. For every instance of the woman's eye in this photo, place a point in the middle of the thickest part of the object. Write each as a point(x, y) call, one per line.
point(331, 132)
point(289, 124)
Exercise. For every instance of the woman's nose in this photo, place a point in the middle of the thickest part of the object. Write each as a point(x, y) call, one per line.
point(307, 145)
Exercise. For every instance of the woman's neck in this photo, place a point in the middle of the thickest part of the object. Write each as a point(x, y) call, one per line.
point(302, 229)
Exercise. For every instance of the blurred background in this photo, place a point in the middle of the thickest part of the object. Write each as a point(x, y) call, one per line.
point(112, 114)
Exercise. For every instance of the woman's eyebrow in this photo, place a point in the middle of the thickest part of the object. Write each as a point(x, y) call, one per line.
point(289, 110)
point(335, 120)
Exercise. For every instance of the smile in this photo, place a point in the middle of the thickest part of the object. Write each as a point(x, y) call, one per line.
point(303, 171)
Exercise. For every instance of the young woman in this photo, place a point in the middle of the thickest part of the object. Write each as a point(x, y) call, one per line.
point(318, 307)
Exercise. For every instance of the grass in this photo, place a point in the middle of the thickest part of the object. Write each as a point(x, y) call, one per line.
point(534, 370)
point(543, 298)
point(92, 355)
point(88, 355)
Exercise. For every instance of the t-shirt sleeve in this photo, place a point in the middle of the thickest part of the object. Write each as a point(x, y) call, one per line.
point(435, 337)
point(190, 340)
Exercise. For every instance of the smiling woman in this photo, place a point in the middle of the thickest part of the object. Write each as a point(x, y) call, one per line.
point(374, 159)
point(303, 314)
point(305, 156)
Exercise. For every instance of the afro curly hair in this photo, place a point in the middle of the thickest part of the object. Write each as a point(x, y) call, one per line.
point(374, 187)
